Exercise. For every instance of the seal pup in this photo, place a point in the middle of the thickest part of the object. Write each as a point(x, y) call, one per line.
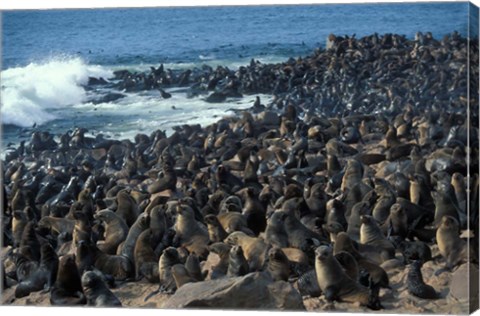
point(96, 291)
point(67, 289)
point(168, 259)
point(415, 283)
point(237, 264)
point(337, 285)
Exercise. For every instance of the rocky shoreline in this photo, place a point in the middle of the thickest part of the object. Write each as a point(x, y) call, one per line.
point(365, 140)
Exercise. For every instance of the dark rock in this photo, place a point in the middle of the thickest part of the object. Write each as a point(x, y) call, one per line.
point(216, 97)
point(110, 97)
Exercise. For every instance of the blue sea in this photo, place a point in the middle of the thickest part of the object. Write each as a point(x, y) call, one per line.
point(48, 55)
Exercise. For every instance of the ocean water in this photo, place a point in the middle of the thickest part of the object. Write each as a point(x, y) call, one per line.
point(48, 55)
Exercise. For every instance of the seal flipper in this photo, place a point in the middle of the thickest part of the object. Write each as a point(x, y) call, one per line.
point(331, 293)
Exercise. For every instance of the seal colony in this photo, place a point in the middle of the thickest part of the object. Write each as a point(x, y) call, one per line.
point(355, 172)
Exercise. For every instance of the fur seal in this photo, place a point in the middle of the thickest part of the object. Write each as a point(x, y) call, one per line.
point(116, 231)
point(254, 212)
point(307, 284)
point(192, 264)
point(278, 264)
point(254, 249)
point(166, 180)
point(191, 234)
point(452, 248)
point(141, 224)
point(216, 233)
point(237, 264)
point(167, 260)
point(181, 276)
point(371, 234)
point(146, 262)
point(275, 233)
point(67, 289)
point(42, 278)
point(127, 207)
point(377, 274)
point(337, 285)
point(416, 285)
point(96, 291)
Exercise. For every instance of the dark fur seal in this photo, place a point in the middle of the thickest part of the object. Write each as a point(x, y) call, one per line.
point(237, 264)
point(337, 285)
point(67, 290)
point(416, 285)
point(97, 292)
point(146, 262)
point(44, 277)
point(278, 264)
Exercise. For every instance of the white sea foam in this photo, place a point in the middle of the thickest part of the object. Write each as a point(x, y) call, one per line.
point(30, 93)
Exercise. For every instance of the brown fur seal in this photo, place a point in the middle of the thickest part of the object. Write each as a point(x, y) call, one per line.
point(445, 202)
point(452, 248)
point(57, 225)
point(167, 260)
point(377, 274)
point(97, 292)
point(127, 207)
point(42, 278)
point(371, 234)
point(220, 269)
point(397, 222)
point(254, 249)
point(278, 264)
point(181, 276)
point(118, 266)
point(353, 175)
point(192, 264)
point(116, 231)
point(191, 234)
point(336, 284)
point(167, 180)
point(216, 233)
point(237, 264)
point(233, 221)
point(146, 262)
point(348, 263)
point(140, 225)
point(67, 289)
point(82, 229)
